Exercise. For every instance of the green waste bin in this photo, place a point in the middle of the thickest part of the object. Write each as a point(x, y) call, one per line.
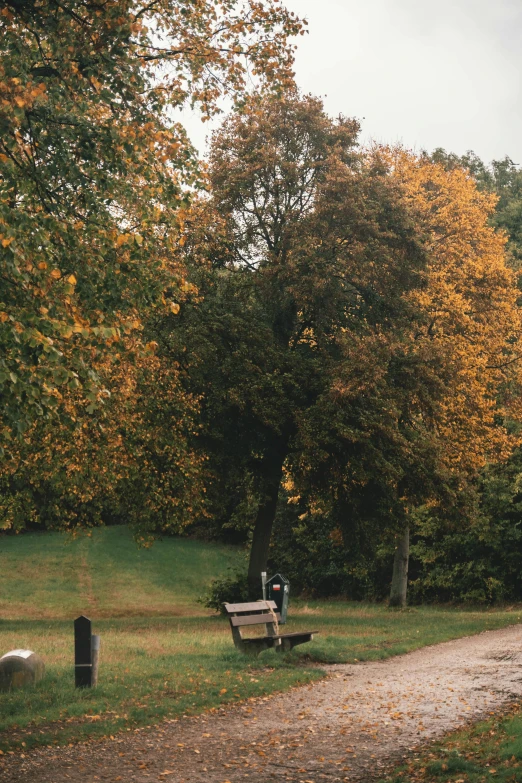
point(278, 590)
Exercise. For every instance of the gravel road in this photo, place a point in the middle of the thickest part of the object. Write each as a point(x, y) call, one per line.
point(350, 726)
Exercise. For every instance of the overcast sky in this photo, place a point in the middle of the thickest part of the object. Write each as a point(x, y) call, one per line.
point(424, 73)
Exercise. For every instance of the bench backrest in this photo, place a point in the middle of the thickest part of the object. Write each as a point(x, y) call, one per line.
point(254, 613)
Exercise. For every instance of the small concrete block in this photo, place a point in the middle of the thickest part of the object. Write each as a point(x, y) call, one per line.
point(19, 668)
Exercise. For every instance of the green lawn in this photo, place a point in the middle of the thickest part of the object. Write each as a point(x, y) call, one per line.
point(163, 654)
point(490, 750)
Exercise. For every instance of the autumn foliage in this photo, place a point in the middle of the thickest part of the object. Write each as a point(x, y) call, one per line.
point(94, 175)
point(303, 328)
point(359, 326)
point(440, 373)
point(92, 171)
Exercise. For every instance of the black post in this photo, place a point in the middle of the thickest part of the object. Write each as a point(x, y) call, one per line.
point(82, 653)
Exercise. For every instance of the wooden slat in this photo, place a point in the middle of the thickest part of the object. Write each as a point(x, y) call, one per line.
point(252, 619)
point(254, 606)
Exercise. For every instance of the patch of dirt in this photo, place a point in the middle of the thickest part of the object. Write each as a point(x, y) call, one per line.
point(351, 726)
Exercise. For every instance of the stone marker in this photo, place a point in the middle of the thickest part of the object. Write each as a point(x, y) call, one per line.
point(19, 668)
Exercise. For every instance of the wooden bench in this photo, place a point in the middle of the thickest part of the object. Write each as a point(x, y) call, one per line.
point(262, 613)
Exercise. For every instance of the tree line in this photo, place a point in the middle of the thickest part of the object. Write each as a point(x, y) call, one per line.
point(304, 343)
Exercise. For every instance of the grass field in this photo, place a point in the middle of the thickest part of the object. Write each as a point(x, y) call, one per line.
point(490, 750)
point(162, 653)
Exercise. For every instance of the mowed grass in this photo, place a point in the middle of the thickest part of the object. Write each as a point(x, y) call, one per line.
point(490, 750)
point(163, 654)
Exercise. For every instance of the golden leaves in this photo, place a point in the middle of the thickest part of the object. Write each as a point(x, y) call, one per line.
point(469, 299)
point(125, 187)
point(127, 239)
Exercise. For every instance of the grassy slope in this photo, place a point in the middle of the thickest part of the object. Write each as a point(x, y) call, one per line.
point(162, 654)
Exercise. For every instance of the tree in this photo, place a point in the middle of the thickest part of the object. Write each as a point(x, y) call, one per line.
point(92, 170)
point(502, 177)
point(132, 463)
point(303, 222)
point(418, 404)
point(266, 164)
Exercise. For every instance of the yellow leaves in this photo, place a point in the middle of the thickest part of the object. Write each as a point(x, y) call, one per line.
point(42, 265)
point(174, 308)
point(71, 280)
point(56, 274)
point(131, 325)
point(126, 239)
point(188, 288)
point(38, 90)
point(3, 317)
point(6, 241)
point(468, 297)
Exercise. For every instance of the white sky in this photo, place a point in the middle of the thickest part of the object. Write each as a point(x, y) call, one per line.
point(428, 74)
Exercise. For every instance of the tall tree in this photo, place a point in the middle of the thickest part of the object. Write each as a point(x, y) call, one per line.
point(92, 170)
point(303, 225)
point(415, 409)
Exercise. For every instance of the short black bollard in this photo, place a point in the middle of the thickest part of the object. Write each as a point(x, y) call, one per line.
point(82, 652)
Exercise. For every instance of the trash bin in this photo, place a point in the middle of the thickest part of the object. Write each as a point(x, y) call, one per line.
point(278, 590)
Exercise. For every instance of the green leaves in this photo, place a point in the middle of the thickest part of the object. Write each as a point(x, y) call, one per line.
point(93, 173)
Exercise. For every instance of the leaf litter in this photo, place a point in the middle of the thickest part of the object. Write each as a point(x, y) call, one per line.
point(355, 724)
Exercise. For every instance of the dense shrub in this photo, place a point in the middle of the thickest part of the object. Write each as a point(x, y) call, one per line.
point(233, 588)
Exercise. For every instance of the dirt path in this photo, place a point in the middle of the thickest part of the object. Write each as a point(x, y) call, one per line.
point(348, 727)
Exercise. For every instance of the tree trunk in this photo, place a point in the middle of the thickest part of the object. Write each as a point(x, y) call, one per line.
point(399, 584)
point(273, 472)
